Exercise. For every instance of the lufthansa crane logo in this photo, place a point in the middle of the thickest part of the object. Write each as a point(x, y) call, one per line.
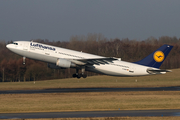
point(158, 56)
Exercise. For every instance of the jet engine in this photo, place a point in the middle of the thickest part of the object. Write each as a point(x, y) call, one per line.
point(53, 66)
point(64, 63)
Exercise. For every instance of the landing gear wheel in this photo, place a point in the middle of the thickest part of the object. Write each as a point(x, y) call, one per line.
point(84, 76)
point(79, 76)
point(74, 75)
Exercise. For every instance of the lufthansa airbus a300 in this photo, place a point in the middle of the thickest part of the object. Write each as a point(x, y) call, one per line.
point(58, 58)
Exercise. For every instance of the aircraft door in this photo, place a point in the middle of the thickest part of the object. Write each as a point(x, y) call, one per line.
point(25, 46)
point(47, 52)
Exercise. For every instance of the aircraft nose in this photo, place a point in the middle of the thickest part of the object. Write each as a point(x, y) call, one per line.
point(9, 46)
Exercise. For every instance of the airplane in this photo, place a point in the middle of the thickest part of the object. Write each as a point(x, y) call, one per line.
point(62, 58)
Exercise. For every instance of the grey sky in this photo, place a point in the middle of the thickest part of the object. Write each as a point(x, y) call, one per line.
point(61, 19)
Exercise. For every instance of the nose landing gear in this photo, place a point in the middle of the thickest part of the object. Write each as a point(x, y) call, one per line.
point(24, 60)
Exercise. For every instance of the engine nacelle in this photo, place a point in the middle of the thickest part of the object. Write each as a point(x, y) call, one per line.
point(64, 63)
point(53, 66)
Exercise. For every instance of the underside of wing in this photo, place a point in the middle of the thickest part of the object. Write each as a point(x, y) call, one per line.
point(96, 61)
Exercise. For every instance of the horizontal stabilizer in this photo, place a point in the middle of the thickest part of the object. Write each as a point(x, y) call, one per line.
point(157, 71)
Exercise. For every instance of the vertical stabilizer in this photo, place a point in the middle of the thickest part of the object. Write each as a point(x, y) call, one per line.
point(156, 58)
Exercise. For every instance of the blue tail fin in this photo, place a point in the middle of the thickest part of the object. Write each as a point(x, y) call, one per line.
point(156, 58)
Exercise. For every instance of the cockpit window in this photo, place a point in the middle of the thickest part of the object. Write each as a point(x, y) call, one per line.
point(15, 43)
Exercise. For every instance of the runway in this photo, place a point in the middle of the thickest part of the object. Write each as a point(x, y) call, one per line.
point(119, 113)
point(66, 90)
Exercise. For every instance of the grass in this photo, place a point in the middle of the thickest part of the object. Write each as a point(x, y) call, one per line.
point(87, 101)
point(168, 79)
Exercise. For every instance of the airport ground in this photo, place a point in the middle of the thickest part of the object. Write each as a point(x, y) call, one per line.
point(168, 79)
point(108, 118)
point(89, 101)
point(94, 101)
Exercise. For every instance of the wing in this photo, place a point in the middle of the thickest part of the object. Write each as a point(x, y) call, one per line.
point(96, 61)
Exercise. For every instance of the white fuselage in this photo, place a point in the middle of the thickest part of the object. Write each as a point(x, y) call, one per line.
point(50, 54)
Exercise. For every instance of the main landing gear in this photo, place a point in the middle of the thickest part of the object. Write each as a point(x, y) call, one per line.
point(81, 74)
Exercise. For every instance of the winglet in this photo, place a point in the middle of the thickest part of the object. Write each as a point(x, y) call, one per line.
point(156, 58)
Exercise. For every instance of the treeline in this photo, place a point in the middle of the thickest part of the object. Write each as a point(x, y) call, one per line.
point(12, 69)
